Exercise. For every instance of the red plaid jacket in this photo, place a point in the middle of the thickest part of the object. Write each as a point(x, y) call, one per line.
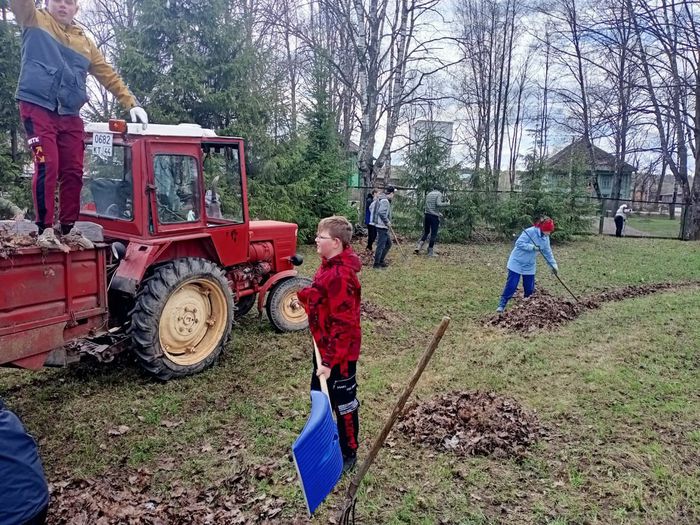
point(333, 305)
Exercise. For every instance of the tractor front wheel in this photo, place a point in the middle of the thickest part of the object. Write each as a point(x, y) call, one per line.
point(182, 318)
point(283, 308)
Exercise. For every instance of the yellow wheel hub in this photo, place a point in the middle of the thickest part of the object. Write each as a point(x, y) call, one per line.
point(193, 322)
point(291, 309)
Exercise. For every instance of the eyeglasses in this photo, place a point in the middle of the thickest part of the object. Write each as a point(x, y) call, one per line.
point(323, 237)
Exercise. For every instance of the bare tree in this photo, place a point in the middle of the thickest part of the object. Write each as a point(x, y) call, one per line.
point(571, 51)
point(668, 51)
point(488, 34)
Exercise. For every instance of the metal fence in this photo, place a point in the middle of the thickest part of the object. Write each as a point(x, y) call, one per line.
point(648, 219)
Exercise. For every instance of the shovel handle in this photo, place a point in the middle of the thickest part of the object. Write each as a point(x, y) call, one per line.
point(322, 379)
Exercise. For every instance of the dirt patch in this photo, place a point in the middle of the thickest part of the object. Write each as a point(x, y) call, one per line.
point(365, 256)
point(471, 424)
point(542, 310)
point(127, 496)
point(374, 312)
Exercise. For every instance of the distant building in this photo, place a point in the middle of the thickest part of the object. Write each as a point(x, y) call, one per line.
point(574, 159)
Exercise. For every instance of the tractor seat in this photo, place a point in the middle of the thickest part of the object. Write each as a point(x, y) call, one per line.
point(110, 196)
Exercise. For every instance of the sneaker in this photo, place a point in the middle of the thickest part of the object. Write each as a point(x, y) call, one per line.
point(349, 464)
point(48, 241)
point(384, 264)
point(76, 238)
point(500, 309)
point(431, 253)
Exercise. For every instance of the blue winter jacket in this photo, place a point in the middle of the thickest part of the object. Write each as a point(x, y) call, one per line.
point(23, 488)
point(523, 258)
point(56, 59)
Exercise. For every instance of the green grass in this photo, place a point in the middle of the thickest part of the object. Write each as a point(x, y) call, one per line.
point(658, 226)
point(616, 392)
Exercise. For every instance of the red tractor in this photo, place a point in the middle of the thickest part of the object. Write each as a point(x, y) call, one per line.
point(184, 260)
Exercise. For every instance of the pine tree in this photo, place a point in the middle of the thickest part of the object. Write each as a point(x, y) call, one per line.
point(12, 155)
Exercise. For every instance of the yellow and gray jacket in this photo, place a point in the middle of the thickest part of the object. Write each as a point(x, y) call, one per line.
point(56, 59)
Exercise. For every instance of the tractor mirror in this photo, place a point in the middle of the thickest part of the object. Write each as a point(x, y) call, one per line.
point(118, 250)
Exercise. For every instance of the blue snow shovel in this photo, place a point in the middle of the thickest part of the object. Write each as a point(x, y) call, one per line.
point(316, 451)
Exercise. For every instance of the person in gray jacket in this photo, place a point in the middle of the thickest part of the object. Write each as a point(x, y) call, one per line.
point(380, 212)
point(431, 220)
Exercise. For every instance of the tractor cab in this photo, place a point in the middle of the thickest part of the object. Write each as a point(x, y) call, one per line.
point(163, 181)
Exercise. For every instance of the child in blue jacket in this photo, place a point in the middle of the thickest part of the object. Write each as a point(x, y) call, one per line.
point(523, 259)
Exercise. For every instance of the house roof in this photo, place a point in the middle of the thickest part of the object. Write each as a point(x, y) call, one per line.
point(577, 152)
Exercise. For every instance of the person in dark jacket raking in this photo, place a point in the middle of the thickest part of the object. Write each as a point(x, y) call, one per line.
point(371, 228)
point(431, 220)
point(56, 58)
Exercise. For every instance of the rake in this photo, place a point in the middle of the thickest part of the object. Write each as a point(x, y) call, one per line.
point(347, 515)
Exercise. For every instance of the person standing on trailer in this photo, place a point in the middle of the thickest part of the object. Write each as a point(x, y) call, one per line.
point(56, 58)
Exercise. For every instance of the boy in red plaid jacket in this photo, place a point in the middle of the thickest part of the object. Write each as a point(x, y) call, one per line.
point(332, 303)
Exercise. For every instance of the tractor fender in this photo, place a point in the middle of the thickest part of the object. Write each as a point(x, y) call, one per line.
point(278, 277)
point(138, 258)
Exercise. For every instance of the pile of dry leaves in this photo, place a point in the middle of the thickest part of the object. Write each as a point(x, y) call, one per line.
point(545, 311)
point(10, 243)
point(471, 423)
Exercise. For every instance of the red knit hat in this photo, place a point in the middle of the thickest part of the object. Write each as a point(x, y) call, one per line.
point(546, 225)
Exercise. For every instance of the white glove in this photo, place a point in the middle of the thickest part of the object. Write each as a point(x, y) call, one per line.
point(138, 114)
point(555, 269)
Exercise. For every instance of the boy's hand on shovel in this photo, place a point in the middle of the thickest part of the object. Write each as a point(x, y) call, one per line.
point(323, 371)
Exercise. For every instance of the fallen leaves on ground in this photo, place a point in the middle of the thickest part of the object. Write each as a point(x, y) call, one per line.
point(542, 310)
point(471, 424)
point(128, 496)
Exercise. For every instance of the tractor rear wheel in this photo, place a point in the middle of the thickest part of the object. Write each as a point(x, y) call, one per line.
point(182, 318)
point(283, 309)
point(244, 305)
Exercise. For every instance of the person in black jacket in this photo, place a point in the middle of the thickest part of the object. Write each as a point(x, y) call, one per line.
point(371, 228)
point(24, 493)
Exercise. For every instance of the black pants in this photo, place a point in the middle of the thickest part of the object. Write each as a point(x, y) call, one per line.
point(39, 519)
point(431, 223)
point(619, 223)
point(371, 236)
point(342, 389)
point(383, 246)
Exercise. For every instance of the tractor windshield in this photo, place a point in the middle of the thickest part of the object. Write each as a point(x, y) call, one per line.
point(107, 184)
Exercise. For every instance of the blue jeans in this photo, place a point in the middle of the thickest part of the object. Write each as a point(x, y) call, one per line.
point(512, 285)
